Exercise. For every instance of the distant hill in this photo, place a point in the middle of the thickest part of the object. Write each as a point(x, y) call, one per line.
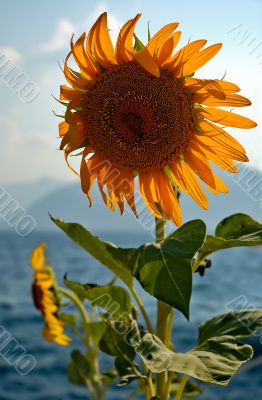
point(69, 203)
point(28, 193)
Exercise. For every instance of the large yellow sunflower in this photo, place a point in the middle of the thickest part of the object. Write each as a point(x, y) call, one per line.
point(45, 298)
point(138, 111)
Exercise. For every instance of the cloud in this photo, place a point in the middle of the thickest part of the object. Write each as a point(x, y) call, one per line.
point(65, 28)
point(11, 53)
point(61, 36)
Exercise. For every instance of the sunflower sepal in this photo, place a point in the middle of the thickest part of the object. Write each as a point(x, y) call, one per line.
point(138, 45)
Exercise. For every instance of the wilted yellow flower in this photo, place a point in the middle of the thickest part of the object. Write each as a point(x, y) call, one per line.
point(45, 299)
point(138, 111)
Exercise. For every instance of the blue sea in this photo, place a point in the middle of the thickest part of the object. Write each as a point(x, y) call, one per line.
point(234, 273)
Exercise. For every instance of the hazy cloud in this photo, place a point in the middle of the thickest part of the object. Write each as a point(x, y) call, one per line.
point(61, 36)
point(11, 53)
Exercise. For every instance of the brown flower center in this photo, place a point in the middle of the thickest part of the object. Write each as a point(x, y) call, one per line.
point(137, 120)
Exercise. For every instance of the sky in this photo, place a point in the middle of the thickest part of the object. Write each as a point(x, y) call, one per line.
point(34, 39)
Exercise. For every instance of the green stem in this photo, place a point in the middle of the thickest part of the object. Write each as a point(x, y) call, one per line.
point(90, 350)
point(151, 389)
point(77, 302)
point(164, 321)
point(181, 387)
point(142, 309)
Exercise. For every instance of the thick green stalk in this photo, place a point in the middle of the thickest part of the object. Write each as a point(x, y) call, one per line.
point(164, 320)
point(181, 387)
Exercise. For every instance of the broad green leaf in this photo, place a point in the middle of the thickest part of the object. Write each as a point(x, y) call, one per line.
point(238, 230)
point(239, 324)
point(115, 341)
point(82, 364)
point(191, 389)
point(97, 248)
point(114, 299)
point(215, 361)
point(79, 369)
point(73, 375)
point(218, 354)
point(95, 330)
point(165, 271)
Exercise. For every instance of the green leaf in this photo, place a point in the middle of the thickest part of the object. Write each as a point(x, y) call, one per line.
point(97, 248)
point(95, 330)
point(79, 369)
point(114, 299)
point(239, 324)
point(215, 361)
point(115, 341)
point(238, 230)
point(165, 271)
point(127, 371)
point(218, 354)
point(68, 319)
point(191, 389)
point(82, 364)
point(138, 44)
point(73, 375)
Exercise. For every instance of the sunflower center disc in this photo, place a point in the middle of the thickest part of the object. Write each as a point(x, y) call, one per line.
point(136, 120)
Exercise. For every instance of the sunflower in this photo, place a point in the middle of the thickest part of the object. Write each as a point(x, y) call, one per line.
point(138, 111)
point(45, 298)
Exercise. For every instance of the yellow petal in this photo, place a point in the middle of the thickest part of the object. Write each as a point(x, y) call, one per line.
point(104, 40)
point(226, 118)
point(212, 86)
point(86, 66)
point(161, 36)
point(200, 59)
point(219, 159)
point(147, 193)
point(199, 164)
point(67, 93)
point(186, 179)
point(144, 58)
point(166, 197)
point(166, 50)
point(184, 54)
point(230, 100)
point(221, 137)
point(38, 257)
point(75, 81)
point(124, 45)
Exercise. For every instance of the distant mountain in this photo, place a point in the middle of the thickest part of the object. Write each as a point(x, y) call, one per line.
point(69, 203)
point(28, 193)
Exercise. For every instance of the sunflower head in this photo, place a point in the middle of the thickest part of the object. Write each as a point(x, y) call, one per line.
point(45, 298)
point(138, 111)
